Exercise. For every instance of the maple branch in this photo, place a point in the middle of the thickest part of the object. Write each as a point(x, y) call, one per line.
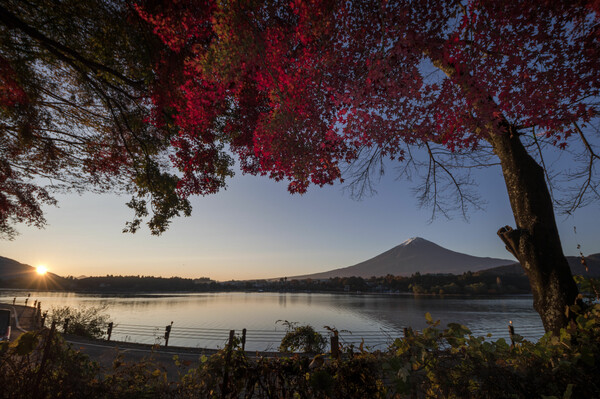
point(587, 185)
point(63, 52)
point(461, 6)
point(65, 112)
point(586, 142)
point(63, 100)
point(108, 101)
point(82, 139)
point(72, 144)
point(431, 177)
point(475, 45)
point(461, 195)
point(361, 183)
point(479, 103)
point(539, 148)
point(475, 158)
point(60, 140)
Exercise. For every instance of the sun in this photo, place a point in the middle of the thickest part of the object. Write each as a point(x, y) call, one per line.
point(41, 270)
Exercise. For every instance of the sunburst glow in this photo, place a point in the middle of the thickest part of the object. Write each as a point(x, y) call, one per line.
point(41, 270)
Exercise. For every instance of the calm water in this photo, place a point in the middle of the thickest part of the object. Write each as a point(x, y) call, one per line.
point(203, 320)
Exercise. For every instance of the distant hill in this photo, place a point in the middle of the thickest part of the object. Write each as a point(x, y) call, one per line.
point(10, 269)
point(14, 274)
point(577, 268)
point(413, 255)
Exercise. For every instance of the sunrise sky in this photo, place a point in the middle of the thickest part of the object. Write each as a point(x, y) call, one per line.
point(256, 229)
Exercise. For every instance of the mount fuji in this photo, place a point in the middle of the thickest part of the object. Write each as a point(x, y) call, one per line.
point(413, 255)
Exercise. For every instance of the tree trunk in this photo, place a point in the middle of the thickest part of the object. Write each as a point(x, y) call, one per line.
point(535, 242)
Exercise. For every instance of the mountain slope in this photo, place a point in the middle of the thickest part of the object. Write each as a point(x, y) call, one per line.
point(413, 255)
point(10, 269)
point(592, 261)
point(18, 275)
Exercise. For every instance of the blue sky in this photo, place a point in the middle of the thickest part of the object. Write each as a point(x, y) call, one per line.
point(256, 229)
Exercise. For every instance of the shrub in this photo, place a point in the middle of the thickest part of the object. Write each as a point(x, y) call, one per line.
point(40, 366)
point(433, 363)
point(301, 339)
point(451, 363)
point(90, 322)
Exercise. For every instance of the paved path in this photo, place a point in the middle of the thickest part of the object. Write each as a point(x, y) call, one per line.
point(22, 319)
point(105, 353)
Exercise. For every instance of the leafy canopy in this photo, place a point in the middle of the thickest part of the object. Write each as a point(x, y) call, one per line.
point(153, 97)
point(300, 88)
point(74, 112)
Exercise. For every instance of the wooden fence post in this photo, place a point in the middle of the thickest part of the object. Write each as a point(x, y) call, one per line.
point(335, 346)
point(511, 333)
point(244, 339)
point(227, 360)
point(405, 331)
point(231, 338)
point(66, 325)
point(38, 377)
point(109, 332)
point(168, 333)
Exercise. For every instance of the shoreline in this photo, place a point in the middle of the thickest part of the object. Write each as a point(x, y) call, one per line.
point(186, 293)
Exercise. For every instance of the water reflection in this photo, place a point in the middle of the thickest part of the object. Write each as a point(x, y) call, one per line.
point(361, 314)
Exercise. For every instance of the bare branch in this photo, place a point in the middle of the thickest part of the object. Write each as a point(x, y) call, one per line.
point(539, 148)
point(587, 173)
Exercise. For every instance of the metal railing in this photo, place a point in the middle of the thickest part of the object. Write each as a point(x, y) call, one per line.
point(261, 339)
point(254, 339)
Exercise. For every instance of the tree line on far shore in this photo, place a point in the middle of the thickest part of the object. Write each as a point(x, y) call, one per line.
point(481, 283)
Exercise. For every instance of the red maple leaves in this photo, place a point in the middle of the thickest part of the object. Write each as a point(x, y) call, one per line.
point(297, 88)
point(11, 92)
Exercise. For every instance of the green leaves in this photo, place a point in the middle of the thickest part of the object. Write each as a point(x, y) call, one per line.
point(428, 318)
point(26, 343)
point(453, 363)
point(302, 338)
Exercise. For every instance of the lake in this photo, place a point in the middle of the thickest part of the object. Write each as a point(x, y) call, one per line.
point(204, 319)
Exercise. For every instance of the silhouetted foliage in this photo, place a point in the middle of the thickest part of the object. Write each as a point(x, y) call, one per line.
point(433, 363)
point(89, 322)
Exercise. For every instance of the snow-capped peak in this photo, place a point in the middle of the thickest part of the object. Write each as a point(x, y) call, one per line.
point(411, 240)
